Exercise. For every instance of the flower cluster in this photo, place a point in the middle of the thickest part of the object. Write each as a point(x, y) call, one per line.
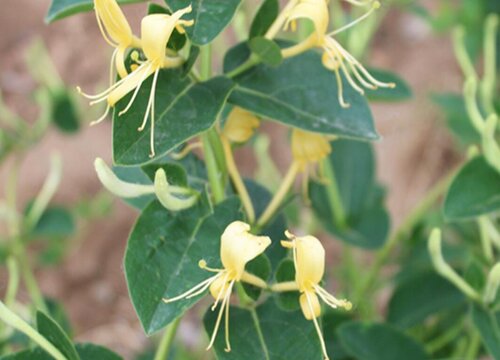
point(237, 248)
point(156, 30)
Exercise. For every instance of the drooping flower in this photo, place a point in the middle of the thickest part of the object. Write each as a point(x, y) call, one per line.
point(237, 248)
point(309, 261)
point(240, 125)
point(156, 30)
point(335, 57)
point(116, 31)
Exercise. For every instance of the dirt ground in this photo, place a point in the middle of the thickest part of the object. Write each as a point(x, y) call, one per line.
point(414, 152)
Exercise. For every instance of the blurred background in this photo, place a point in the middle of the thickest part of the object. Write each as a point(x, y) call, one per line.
point(415, 150)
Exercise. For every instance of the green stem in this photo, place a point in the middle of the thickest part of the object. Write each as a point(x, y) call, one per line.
point(474, 345)
point(439, 342)
point(410, 221)
point(13, 285)
point(167, 340)
point(333, 194)
point(213, 171)
point(30, 280)
point(19, 324)
point(260, 335)
point(252, 61)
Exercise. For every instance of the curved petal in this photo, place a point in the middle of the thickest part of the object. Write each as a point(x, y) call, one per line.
point(314, 10)
point(130, 82)
point(309, 262)
point(238, 247)
point(114, 21)
point(156, 30)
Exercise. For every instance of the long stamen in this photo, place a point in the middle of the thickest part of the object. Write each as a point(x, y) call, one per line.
point(332, 300)
point(103, 94)
point(148, 110)
point(349, 78)
point(153, 101)
point(129, 105)
point(95, 122)
point(219, 317)
point(316, 325)
point(192, 290)
point(203, 265)
point(111, 67)
point(375, 6)
point(200, 291)
point(226, 337)
point(340, 88)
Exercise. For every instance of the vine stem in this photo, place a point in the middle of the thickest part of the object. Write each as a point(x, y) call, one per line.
point(19, 324)
point(332, 190)
point(422, 207)
point(209, 150)
point(167, 340)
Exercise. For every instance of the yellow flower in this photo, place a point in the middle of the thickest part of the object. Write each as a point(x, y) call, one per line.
point(309, 148)
point(335, 57)
point(309, 260)
point(156, 30)
point(116, 31)
point(237, 248)
point(240, 125)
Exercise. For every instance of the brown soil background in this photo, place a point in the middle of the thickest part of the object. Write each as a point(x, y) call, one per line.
point(414, 152)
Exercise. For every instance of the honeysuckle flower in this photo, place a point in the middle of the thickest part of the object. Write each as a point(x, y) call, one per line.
point(156, 30)
point(309, 261)
point(239, 128)
point(308, 150)
point(174, 198)
point(116, 31)
point(237, 248)
point(335, 57)
point(240, 125)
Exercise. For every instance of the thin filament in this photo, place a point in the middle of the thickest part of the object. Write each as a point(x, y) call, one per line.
point(219, 317)
point(95, 122)
point(153, 101)
point(354, 22)
point(129, 105)
point(226, 337)
point(192, 290)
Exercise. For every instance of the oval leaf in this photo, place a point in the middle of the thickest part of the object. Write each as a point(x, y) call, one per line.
point(56, 335)
point(369, 341)
point(488, 324)
point(266, 50)
point(210, 17)
point(264, 18)
point(475, 191)
point(183, 110)
point(300, 93)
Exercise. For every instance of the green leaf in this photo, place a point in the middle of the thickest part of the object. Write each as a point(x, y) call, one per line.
point(401, 92)
point(370, 341)
point(332, 320)
point(57, 222)
point(488, 324)
point(64, 112)
point(265, 333)
point(300, 93)
point(55, 334)
point(266, 50)
point(264, 18)
point(457, 118)
point(62, 8)
point(474, 191)
point(210, 17)
point(183, 110)
point(176, 174)
point(288, 300)
point(409, 307)
point(162, 257)
point(85, 351)
point(367, 220)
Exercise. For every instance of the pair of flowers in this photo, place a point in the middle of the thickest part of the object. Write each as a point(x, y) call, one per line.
point(238, 247)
